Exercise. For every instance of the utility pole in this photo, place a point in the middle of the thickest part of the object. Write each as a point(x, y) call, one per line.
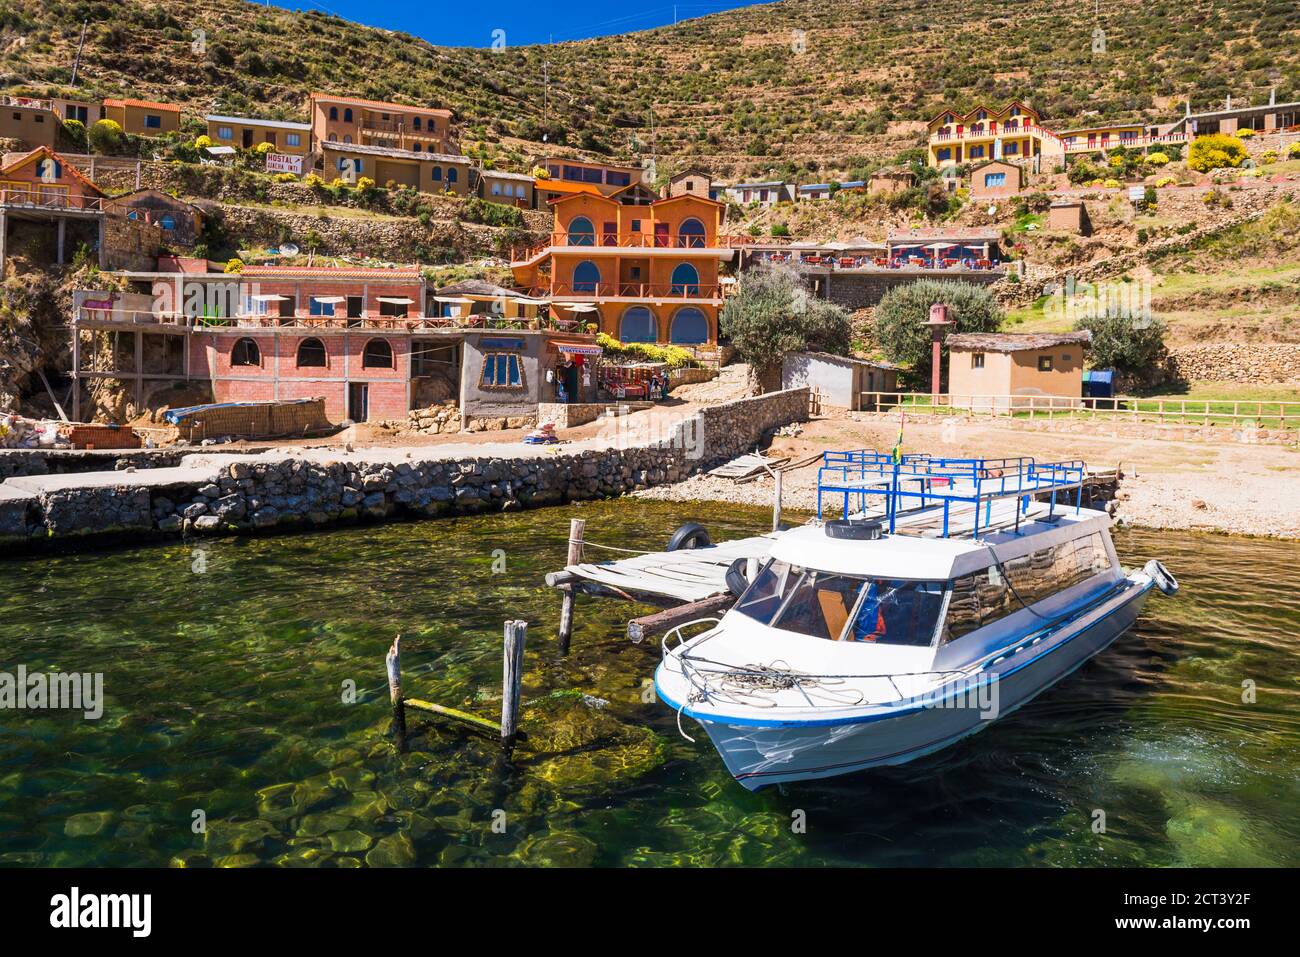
point(546, 101)
point(76, 63)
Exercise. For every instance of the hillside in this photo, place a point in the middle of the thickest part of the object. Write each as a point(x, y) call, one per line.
point(730, 91)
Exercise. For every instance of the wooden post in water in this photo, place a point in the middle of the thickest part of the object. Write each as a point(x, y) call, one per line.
point(577, 531)
point(393, 661)
point(512, 672)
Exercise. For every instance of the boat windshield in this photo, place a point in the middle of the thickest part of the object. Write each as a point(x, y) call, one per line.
point(843, 607)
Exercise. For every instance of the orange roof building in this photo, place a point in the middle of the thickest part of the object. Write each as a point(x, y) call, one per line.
point(143, 117)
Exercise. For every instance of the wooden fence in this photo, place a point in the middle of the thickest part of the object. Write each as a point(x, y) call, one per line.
point(1239, 413)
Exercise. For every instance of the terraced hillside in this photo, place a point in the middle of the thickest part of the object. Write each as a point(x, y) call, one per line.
point(798, 86)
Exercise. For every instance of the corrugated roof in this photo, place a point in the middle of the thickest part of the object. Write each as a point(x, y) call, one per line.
point(254, 121)
point(1015, 342)
point(954, 234)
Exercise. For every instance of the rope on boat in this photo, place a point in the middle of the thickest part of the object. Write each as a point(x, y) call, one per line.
point(997, 563)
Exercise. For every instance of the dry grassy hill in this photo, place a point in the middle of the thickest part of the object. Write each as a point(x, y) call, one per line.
point(740, 92)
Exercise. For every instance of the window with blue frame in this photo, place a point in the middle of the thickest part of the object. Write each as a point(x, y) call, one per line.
point(502, 370)
point(167, 221)
point(453, 174)
point(152, 121)
point(437, 174)
point(685, 280)
point(321, 308)
point(945, 154)
point(995, 179)
point(585, 277)
point(1011, 148)
point(292, 139)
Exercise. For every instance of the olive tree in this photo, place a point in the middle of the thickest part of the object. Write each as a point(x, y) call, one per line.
point(901, 317)
point(772, 314)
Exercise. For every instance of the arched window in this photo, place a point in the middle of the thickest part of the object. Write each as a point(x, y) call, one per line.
point(415, 148)
point(334, 137)
point(245, 353)
point(347, 115)
point(437, 174)
point(415, 123)
point(690, 234)
point(334, 112)
point(311, 352)
point(585, 277)
point(686, 280)
point(453, 174)
point(581, 232)
point(378, 355)
point(690, 327)
point(347, 137)
point(638, 325)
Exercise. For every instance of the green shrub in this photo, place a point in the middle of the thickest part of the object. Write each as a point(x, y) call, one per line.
point(105, 136)
point(487, 213)
point(901, 316)
point(1123, 340)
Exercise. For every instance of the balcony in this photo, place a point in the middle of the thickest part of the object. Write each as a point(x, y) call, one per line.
point(162, 321)
point(50, 198)
point(628, 290)
point(615, 241)
point(428, 131)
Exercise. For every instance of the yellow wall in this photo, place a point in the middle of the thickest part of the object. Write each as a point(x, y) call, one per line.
point(131, 119)
point(260, 134)
point(1010, 374)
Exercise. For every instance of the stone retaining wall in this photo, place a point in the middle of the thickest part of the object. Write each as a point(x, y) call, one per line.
point(1259, 363)
point(225, 494)
point(20, 462)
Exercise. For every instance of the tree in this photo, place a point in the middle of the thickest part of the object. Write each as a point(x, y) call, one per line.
point(1124, 340)
point(901, 317)
point(772, 314)
point(1216, 151)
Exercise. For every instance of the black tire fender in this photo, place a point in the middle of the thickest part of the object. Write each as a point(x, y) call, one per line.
point(690, 535)
point(736, 580)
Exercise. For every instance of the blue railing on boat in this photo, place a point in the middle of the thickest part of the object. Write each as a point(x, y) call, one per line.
point(922, 480)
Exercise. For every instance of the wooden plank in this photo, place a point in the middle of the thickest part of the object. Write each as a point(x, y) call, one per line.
point(464, 717)
point(654, 625)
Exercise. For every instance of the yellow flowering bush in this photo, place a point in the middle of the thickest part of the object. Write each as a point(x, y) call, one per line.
point(1158, 159)
point(1215, 151)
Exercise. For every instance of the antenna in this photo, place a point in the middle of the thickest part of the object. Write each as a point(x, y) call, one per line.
point(80, 43)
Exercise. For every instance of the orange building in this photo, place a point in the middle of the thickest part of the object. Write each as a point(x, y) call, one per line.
point(42, 187)
point(143, 117)
point(642, 271)
point(345, 119)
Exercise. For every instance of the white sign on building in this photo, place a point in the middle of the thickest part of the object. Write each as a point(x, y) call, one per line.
point(283, 163)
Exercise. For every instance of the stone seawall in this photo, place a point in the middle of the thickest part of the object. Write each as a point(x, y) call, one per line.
point(231, 493)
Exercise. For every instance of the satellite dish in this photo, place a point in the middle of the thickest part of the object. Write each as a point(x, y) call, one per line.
point(992, 210)
point(288, 249)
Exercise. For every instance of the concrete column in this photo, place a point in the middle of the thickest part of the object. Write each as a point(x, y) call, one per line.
point(62, 226)
point(76, 369)
point(103, 250)
point(139, 371)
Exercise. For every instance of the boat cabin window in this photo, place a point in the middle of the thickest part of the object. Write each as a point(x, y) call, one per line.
point(843, 607)
point(984, 597)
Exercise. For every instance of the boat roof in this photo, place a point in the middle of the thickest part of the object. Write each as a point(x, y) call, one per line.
point(921, 557)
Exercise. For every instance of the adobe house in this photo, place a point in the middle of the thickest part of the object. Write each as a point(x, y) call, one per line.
point(606, 178)
point(346, 119)
point(996, 179)
point(1000, 371)
point(181, 223)
point(85, 112)
point(1069, 215)
point(246, 132)
point(427, 172)
point(890, 180)
point(690, 182)
point(513, 189)
point(31, 121)
point(143, 117)
point(42, 187)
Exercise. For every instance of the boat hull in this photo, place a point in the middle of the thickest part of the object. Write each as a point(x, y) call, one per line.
point(759, 754)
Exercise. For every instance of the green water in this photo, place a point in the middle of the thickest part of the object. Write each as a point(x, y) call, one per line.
point(224, 694)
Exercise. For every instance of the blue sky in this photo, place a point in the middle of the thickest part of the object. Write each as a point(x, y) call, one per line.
point(524, 21)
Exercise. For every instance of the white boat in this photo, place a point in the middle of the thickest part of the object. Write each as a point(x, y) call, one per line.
point(883, 637)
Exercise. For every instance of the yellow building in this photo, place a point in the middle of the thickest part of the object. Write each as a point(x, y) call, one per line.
point(246, 132)
point(1002, 371)
point(143, 117)
point(345, 119)
point(1013, 133)
point(427, 172)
